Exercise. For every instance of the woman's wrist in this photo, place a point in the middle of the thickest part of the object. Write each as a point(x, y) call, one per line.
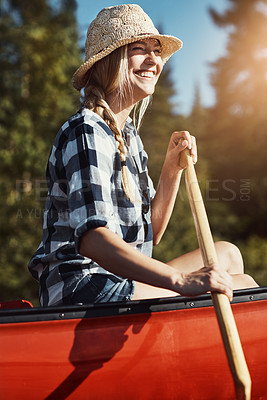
point(171, 170)
point(177, 281)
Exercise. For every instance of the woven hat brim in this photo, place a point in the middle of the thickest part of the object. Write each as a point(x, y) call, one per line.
point(170, 44)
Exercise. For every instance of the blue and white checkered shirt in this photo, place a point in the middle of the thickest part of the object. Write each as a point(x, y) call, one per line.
point(84, 192)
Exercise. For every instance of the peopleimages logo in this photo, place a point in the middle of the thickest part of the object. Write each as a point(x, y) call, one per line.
point(212, 190)
point(228, 190)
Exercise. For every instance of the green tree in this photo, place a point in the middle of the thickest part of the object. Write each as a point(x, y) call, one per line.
point(38, 53)
point(239, 119)
point(198, 119)
point(237, 130)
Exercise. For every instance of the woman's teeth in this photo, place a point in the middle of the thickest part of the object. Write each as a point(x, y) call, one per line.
point(145, 74)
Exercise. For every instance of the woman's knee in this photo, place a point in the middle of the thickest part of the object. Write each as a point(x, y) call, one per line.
point(231, 257)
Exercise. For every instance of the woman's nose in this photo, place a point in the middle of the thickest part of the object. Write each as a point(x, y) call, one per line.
point(151, 58)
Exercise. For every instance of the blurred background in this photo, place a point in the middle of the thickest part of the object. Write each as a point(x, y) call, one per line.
point(215, 87)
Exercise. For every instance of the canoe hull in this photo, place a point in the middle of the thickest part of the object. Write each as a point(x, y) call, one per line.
point(167, 353)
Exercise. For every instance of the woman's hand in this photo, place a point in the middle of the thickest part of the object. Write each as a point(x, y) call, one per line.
point(178, 142)
point(206, 279)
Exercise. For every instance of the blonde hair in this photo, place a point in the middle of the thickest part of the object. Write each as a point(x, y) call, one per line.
point(110, 75)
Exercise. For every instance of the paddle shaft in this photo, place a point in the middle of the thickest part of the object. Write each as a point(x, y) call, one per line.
point(230, 336)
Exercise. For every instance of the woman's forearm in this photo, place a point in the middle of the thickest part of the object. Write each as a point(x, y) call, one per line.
point(118, 257)
point(115, 255)
point(169, 182)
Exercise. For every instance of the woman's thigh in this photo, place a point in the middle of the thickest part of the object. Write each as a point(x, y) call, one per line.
point(145, 291)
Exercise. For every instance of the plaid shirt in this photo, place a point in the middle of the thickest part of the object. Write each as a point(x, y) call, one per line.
point(85, 192)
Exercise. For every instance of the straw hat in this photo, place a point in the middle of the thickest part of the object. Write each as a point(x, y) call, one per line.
point(114, 27)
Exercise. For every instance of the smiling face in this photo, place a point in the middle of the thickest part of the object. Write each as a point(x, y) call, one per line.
point(145, 65)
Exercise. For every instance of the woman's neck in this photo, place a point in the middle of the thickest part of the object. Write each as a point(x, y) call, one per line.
point(122, 112)
point(122, 116)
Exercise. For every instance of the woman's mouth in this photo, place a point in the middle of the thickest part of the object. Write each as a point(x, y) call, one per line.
point(145, 74)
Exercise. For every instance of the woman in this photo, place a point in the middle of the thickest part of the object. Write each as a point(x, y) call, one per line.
point(102, 213)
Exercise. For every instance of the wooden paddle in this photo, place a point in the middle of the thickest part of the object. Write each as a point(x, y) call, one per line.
point(230, 336)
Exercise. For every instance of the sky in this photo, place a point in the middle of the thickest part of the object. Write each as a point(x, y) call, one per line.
point(189, 20)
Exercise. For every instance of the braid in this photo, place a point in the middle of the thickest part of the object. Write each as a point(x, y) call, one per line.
point(95, 100)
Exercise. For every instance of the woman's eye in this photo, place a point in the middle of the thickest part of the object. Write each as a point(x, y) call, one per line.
point(141, 48)
point(137, 48)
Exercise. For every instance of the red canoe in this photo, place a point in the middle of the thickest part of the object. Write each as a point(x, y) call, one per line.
point(139, 350)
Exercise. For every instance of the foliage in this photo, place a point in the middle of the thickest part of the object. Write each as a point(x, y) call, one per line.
point(237, 130)
point(38, 54)
point(238, 121)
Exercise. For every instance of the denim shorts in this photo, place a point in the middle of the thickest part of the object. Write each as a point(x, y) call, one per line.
point(102, 288)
